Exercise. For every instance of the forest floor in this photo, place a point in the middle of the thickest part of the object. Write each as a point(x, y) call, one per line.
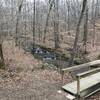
point(24, 79)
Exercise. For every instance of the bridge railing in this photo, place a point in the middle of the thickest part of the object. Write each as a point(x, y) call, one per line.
point(78, 67)
point(83, 74)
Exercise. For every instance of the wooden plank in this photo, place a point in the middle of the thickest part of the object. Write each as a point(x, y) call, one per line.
point(84, 74)
point(74, 68)
point(70, 97)
point(85, 83)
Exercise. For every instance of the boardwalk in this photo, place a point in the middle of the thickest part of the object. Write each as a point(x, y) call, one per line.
point(87, 84)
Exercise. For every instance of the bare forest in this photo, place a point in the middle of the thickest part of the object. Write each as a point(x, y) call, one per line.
point(43, 43)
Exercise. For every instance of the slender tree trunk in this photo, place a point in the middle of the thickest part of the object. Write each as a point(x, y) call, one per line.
point(1, 56)
point(47, 19)
point(68, 11)
point(56, 25)
point(17, 22)
point(94, 16)
point(85, 31)
point(2, 63)
point(77, 34)
point(34, 13)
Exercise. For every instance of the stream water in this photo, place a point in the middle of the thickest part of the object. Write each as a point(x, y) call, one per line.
point(51, 57)
point(54, 59)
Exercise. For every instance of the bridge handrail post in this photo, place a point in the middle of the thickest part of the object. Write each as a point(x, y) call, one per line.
point(78, 85)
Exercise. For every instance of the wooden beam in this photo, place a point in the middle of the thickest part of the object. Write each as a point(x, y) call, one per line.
point(93, 63)
point(78, 85)
point(87, 73)
point(84, 86)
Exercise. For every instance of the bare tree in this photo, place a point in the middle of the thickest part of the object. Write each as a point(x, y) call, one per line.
point(51, 2)
point(68, 15)
point(85, 31)
point(2, 63)
point(34, 14)
point(56, 24)
point(94, 16)
point(77, 34)
point(17, 21)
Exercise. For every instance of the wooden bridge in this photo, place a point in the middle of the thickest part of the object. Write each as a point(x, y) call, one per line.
point(86, 83)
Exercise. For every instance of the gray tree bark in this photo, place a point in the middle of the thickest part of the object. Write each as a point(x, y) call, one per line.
point(77, 34)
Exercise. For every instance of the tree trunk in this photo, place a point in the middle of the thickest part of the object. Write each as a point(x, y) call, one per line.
point(34, 13)
point(56, 25)
point(77, 34)
point(17, 23)
point(85, 31)
point(47, 19)
point(1, 56)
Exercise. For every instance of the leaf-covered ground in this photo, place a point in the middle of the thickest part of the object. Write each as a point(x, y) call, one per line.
point(23, 78)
